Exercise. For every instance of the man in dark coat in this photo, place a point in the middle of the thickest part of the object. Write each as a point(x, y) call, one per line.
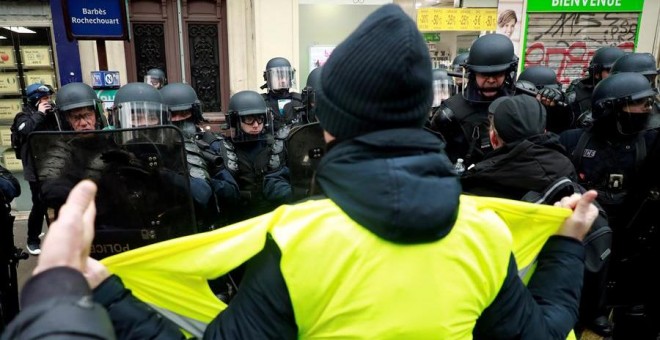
point(525, 157)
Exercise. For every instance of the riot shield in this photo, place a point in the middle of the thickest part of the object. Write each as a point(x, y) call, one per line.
point(305, 146)
point(142, 177)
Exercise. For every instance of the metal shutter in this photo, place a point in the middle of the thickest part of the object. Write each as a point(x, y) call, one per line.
point(566, 41)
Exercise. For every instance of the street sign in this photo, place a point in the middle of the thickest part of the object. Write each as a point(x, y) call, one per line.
point(95, 19)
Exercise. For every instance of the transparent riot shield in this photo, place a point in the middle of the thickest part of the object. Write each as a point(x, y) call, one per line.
point(305, 146)
point(142, 177)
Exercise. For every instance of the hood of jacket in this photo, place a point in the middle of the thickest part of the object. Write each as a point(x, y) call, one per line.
point(516, 168)
point(397, 183)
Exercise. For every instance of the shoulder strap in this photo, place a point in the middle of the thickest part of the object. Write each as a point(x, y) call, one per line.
point(640, 151)
point(576, 155)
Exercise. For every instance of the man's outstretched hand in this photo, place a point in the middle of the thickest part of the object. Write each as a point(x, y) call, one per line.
point(70, 237)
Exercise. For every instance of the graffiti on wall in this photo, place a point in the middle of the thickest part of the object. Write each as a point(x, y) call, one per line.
point(567, 41)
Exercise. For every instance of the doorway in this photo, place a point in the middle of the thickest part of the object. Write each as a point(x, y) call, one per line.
point(190, 48)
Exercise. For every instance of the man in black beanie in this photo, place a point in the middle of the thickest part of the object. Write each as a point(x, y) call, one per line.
point(390, 252)
point(525, 158)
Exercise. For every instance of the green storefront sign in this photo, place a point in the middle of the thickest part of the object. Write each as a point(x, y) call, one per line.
point(107, 97)
point(585, 5)
point(431, 37)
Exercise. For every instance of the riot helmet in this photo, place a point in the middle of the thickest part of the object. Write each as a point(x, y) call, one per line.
point(249, 117)
point(279, 75)
point(156, 78)
point(541, 77)
point(80, 108)
point(626, 100)
point(458, 62)
point(185, 108)
point(35, 92)
point(443, 87)
point(526, 86)
point(491, 56)
point(643, 63)
point(603, 60)
point(138, 105)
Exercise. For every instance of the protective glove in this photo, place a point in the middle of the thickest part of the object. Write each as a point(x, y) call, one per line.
point(550, 96)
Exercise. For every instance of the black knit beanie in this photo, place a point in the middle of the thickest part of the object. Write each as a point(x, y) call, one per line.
point(517, 117)
point(378, 78)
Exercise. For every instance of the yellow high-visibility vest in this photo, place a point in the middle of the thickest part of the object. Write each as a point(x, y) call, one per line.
point(343, 280)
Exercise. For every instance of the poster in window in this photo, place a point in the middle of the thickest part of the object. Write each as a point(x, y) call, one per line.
point(9, 107)
point(7, 58)
point(509, 17)
point(43, 77)
point(318, 55)
point(9, 83)
point(36, 56)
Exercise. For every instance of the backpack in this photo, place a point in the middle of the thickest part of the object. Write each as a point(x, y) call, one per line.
point(16, 138)
point(598, 241)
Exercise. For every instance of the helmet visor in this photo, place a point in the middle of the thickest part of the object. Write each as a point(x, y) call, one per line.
point(640, 105)
point(253, 127)
point(141, 114)
point(280, 77)
point(156, 82)
point(442, 90)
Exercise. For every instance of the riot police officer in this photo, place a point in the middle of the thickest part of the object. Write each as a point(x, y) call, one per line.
point(578, 94)
point(202, 150)
point(463, 119)
point(443, 88)
point(156, 78)
point(559, 117)
point(607, 157)
point(70, 159)
point(457, 68)
point(280, 77)
point(255, 159)
point(309, 95)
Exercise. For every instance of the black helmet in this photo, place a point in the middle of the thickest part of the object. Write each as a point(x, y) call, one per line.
point(603, 59)
point(309, 93)
point(314, 78)
point(643, 63)
point(139, 104)
point(492, 53)
point(612, 94)
point(76, 95)
point(36, 91)
point(248, 103)
point(156, 78)
point(279, 75)
point(182, 97)
point(540, 76)
point(459, 61)
point(443, 86)
point(526, 85)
